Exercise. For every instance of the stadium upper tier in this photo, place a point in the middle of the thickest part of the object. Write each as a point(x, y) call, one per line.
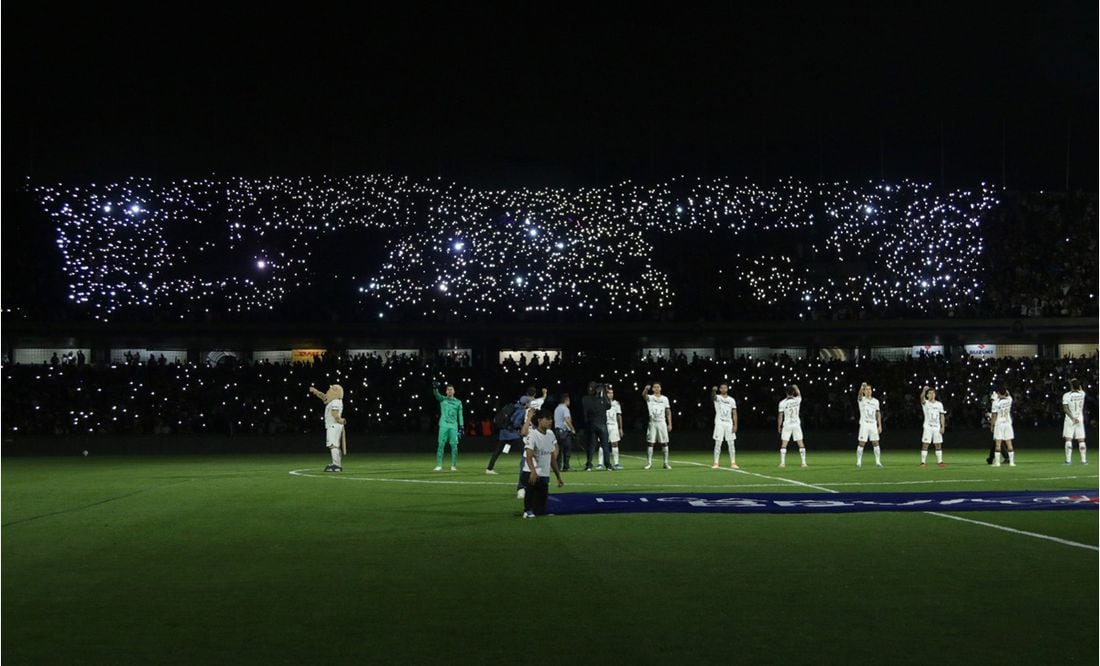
point(378, 247)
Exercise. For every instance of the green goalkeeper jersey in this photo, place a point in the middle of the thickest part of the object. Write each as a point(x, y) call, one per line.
point(450, 409)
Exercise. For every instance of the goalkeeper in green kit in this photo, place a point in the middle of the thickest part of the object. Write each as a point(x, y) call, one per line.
point(450, 425)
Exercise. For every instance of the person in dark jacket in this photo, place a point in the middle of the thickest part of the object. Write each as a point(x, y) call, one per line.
point(595, 406)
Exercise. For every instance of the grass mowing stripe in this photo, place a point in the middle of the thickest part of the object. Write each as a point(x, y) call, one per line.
point(1065, 542)
point(306, 473)
point(933, 481)
point(86, 506)
point(303, 472)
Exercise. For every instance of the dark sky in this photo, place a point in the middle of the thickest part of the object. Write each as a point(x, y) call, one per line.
point(548, 94)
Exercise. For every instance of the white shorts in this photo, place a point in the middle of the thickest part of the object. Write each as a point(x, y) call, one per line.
point(657, 432)
point(931, 435)
point(332, 435)
point(1071, 430)
point(868, 432)
point(723, 432)
point(1002, 432)
point(613, 434)
point(791, 433)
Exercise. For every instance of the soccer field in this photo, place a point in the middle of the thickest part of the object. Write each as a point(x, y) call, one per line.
point(265, 559)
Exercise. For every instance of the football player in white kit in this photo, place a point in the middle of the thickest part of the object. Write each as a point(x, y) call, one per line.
point(660, 422)
point(1002, 427)
point(536, 403)
point(932, 432)
point(870, 424)
point(1073, 427)
point(789, 424)
point(614, 430)
point(989, 419)
point(334, 422)
point(725, 423)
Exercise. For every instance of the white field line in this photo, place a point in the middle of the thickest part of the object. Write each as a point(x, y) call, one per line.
point(1064, 542)
point(783, 483)
point(756, 474)
point(443, 482)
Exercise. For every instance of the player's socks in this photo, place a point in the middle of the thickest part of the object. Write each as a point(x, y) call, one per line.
point(717, 452)
point(733, 455)
point(649, 455)
point(1069, 452)
point(335, 456)
point(878, 455)
point(802, 452)
point(782, 457)
point(859, 456)
point(615, 454)
point(1084, 453)
point(1011, 457)
point(666, 454)
point(923, 456)
point(939, 456)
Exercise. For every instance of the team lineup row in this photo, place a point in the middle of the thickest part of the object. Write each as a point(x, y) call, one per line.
point(603, 414)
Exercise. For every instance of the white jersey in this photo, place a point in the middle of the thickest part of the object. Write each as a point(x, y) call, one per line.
point(868, 407)
point(788, 407)
point(657, 406)
point(1075, 405)
point(932, 410)
point(543, 445)
point(723, 405)
point(536, 403)
point(613, 413)
point(1003, 409)
point(337, 405)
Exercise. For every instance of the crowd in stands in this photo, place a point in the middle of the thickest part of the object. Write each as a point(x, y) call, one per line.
point(385, 248)
point(1054, 274)
point(391, 395)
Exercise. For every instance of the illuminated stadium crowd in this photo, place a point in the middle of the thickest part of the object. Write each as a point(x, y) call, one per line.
point(395, 249)
point(394, 395)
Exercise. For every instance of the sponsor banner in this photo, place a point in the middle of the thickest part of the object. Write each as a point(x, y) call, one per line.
point(927, 350)
point(982, 350)
point(576, 503)
point(305, 355)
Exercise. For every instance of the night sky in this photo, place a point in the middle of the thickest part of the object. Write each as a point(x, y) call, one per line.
point(545, 94)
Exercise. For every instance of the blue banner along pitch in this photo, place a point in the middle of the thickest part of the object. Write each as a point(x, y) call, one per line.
point(577, 503)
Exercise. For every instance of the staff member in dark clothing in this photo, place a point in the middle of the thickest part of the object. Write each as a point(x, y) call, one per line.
point(595, 406)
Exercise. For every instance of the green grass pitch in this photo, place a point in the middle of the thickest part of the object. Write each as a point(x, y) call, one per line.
point(220, 559)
